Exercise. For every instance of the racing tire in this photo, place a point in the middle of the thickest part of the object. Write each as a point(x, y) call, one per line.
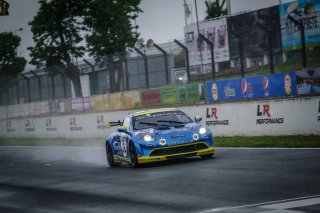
point(133, 156)
point(206, 156)
point(110, 157)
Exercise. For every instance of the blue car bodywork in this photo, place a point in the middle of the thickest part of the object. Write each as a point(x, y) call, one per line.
point(138, 142)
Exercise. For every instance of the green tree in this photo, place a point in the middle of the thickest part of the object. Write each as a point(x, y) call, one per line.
point(57, 31)
point(111, 30)
point(10, 64)
point(215, 9)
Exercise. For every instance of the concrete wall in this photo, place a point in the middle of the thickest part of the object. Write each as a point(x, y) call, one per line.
point(272, 117)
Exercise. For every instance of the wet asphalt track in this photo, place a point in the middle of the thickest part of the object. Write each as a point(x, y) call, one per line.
point(77, 179)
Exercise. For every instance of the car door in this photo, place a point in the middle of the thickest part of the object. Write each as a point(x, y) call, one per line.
point(124, 138)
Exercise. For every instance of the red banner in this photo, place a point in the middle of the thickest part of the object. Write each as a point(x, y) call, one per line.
point(151, 97)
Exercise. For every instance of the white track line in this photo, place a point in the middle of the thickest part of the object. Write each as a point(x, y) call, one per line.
point(258, 204)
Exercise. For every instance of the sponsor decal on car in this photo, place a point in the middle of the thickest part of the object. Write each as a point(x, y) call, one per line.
point(264, 111)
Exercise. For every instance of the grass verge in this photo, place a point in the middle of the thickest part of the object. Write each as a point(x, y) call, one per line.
point(261, 141)
point(270, 141)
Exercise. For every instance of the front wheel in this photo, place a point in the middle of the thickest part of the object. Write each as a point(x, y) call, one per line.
point(110, 157)
point(134, 157)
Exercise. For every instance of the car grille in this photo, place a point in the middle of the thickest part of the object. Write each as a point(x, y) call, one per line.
point(178, 149)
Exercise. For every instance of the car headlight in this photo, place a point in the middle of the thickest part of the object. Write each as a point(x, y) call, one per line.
point(195, 137)
point(202, 130)
point(148, 138)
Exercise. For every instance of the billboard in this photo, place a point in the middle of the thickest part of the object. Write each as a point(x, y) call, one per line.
point(216, 31)
point(252, 28)
point(309, 12)
point(308, 82)
point(283, 84)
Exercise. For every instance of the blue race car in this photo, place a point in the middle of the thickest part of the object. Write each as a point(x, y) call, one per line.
point(158, 135)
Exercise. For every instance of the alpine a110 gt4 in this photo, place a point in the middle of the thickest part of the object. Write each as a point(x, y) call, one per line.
point(158, 135)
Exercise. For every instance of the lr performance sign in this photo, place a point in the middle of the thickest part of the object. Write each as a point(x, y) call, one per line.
point(217, 32)
point(212, 114)
point(265, 117)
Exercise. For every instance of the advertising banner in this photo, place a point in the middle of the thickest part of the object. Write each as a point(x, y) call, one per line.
point(59, 106)
point(308, 82)
point(171, 95)
point(252, 29)
point(80, 104)
point(283, 84)
point(191, 93)
point(151, 97)
point(307, 11)
point(216, 31)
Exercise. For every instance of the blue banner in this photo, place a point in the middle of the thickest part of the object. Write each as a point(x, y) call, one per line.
point(283, 84)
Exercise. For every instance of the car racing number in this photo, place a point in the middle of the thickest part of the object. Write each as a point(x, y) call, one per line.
point(123, 144)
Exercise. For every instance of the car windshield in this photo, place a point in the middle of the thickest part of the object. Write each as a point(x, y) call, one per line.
point(160, 120)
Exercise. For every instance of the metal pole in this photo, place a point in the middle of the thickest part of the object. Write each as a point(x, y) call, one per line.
point(187, 58)
point(126, 72)
point(165, 61)
point(145, 66)
point(270, 37)
point(212, 55)
point(303, 46)
point(39, 83)
point(195, 3)
point(28, 87)
point(299, 24)
point(241, 57)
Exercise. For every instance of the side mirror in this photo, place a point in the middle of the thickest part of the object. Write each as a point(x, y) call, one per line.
point(122, 129)
point(197, 119)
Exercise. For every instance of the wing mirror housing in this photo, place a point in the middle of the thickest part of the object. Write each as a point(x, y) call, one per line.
point(197, 119)
point(122, 129)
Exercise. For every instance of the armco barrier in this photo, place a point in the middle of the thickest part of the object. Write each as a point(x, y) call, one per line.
point(290, 116)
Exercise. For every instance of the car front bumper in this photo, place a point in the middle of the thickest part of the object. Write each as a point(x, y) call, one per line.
point(149, 159)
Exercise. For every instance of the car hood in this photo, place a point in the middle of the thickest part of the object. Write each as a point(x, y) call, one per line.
point(173, 135)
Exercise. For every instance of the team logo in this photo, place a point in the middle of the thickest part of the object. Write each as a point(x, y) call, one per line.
point(244, 87)
point(287, 84)
point(266, 86)
point(212, 116)
point(214, 91)
point(265, 117)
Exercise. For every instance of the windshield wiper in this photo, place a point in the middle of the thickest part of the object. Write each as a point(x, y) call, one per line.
point(154, 124)
point(176, 122)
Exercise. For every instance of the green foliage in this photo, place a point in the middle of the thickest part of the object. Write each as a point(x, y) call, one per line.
point(57, 32)
point(110, 25)
point(10, 64)
point(214, 9)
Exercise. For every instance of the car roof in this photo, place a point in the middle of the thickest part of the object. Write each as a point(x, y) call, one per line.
point(151, 111)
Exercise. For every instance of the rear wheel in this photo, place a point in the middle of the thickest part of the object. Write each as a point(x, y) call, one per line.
point(110, 157)
point(134, 157)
